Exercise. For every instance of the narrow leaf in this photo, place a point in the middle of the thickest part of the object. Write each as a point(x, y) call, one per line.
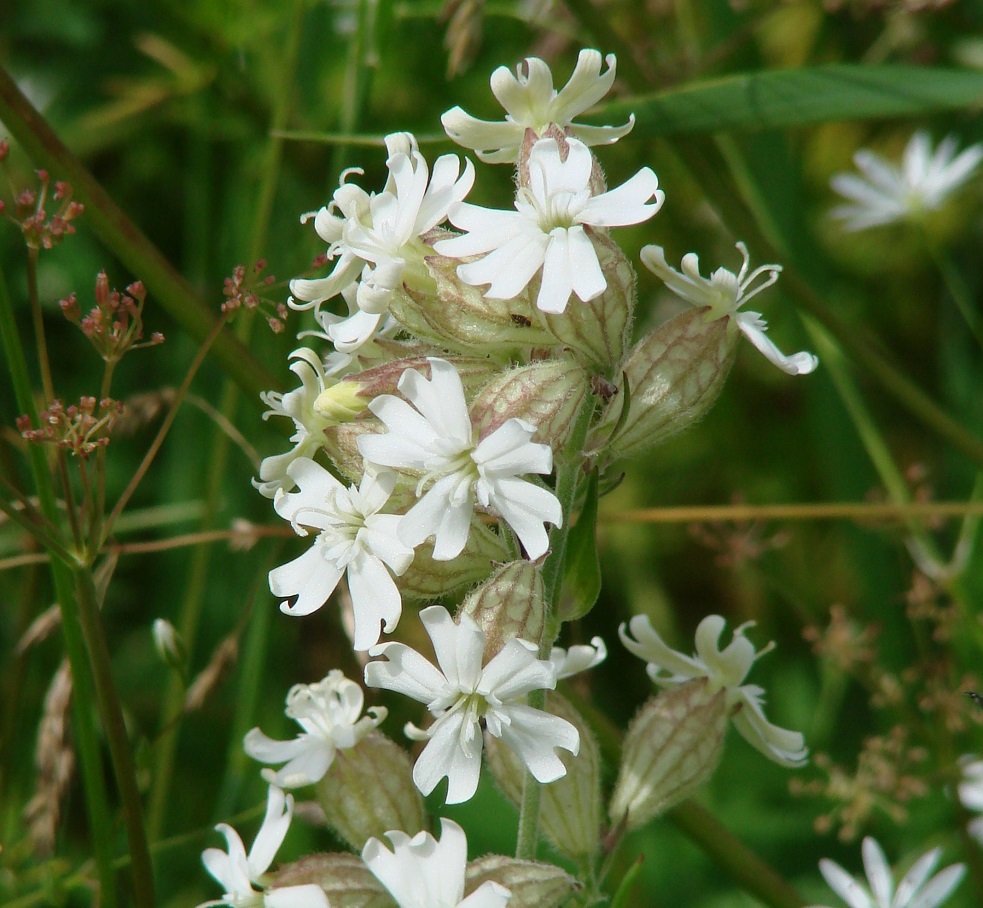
point(583, 569)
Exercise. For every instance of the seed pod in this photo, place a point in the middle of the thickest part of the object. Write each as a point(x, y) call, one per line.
point(674, 375)
point(547, 393)
point(345, 879)
point(533, 884)
point(672, 747)
point(570, 809)
point(369, 790)
point(509, 604)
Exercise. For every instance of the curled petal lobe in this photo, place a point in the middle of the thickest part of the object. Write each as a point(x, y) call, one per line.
point(535, 736)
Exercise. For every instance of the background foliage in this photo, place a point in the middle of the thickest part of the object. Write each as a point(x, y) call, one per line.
point(214, 124)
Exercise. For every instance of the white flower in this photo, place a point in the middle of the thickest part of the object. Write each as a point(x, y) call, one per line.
point(724, 670)
point(237, 873)
point(912, 891)
point(424, 873)
point(330, 714)
point(970, 792)
point(462, 694)
point(353, 538)
point(434, 439)
point(531, 102)
point(309, 425)
point(569, 662)
point(886, 193)
point(547, 230)
point(723, 294)
point(376, 238)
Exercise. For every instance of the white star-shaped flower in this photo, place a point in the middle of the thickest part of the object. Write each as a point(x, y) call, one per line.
point(309, 425)
point(531, 102)
point(723, 293)
point(432, 437)
point(330, 714)
point(376, 238)
point(724, 670)
point(237, 873)
point(421, 872)
point(577, 659)
point(353, 539)
point(913, 891)
point(885, 193)
point(548, 230)
point(462, 694)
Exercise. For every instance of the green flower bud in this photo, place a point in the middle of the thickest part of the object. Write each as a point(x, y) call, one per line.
point(598, 331)
point(570, 809)
point(532, 883)
point(345, 879)
point(341, 402)
point(547, 393)
point(428, 579)
point(509, 604)
point(460, 317)
point(672, 747)
point(369, 790)
point(674, 375)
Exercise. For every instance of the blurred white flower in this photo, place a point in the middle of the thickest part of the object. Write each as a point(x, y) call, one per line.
point(432, 437)
point(885, 193)
point(330, 714)
point(723, 293)
point(376, 239)
point(238, 872)
point(462, 695)
point(353, 539)
point(309, 425)
point(913, 891)
point(421, 872)
point(531, 102)
point(724, 670)
point(577, 659)
point(970, 791)
point(547, 231)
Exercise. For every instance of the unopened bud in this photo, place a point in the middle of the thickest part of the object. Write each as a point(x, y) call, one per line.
point(532, 883)
point(672, 747)
point(341, 402)
point(598, 331)
point(570, 807)
point(510, 603)
point(369, 790)
point(674, 375)
point(460, 317)
point(428, 579)
point(345, 879)
point(168, 643)
point(547, 394)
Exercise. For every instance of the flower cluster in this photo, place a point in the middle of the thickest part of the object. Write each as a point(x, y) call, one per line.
point(478, 367)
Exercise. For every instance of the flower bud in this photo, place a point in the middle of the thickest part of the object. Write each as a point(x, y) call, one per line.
point(460, 317)
point(509, 604)
point(598, 331)
point(672, 747)
point(428, 579)
point(570, 809)
point(369, 790)
point(345, 879)
point(547, 393)
point(169, 645)
point(532, 883)
point(341, 402)
point(674, 375)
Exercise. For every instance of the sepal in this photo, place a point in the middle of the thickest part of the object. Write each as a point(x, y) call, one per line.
point(510, 604)
point(533, 884)
point(345, 879)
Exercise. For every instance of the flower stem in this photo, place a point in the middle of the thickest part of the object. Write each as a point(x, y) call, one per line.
point(86, 737)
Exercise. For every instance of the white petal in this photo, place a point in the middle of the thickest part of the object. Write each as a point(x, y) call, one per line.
point(939, 887)
point(404, 671)
point(534, 735)
point(526, 507)
point(579, 658)
point(626, 204)
point(443, 512)
point(753, 328)
point(444, 756)
point(878, 871)
point(779, 744)
point(916, 876)
point(459, 648)
point(312, 578)
point(279, 811)
point(844, 885)
point(648, 645)
point(375, 600)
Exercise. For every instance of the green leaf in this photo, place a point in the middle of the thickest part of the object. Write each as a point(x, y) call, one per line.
point(798, 97)
point(582, 579)
point(621, 897)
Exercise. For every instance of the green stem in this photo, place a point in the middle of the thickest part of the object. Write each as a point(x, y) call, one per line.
point(569, 473)
point(111, 711)
point(44, 363)
point(955, 283)
point(86, 736)
point(126, 240)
